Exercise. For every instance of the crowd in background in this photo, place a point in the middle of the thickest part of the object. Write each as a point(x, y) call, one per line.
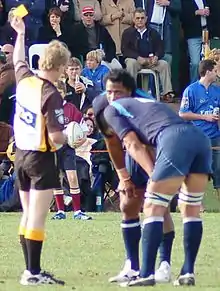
point(103, 35)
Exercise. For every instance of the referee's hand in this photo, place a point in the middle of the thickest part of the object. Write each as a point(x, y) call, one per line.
point(18, 24)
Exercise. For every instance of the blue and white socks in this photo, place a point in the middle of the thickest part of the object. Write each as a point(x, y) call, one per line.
point(151, 239)
point(192, 233)
point(131, 230)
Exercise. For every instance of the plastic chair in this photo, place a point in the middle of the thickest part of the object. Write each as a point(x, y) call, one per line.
point(144, 73)
point(35, 50)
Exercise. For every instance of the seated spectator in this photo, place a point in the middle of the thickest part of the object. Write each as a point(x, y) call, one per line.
point(89, 112)
point(91, 35)
point(8, 49)
point(92, 3)
point(80, 90)
point(55, 29)
point(117, 16)
point(7, 88)
point(94, 70)
point(69, 8)
point(5, 136)
point(142, 47)
point(83, 151)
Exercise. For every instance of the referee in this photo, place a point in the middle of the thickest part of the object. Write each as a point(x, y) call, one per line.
point(38, 126)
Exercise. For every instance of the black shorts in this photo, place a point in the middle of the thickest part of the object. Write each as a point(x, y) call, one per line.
point(66, 158)
point(36, 170)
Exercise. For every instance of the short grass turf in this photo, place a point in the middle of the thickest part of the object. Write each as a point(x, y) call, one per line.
point(86, 253)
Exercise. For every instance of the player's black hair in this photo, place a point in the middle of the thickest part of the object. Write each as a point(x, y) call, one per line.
point(123, 77)
point(206, 65)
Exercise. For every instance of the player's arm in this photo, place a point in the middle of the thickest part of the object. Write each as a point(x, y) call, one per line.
point(138, 151)
point(125, 132)
point(19, 50)
point(114, 147)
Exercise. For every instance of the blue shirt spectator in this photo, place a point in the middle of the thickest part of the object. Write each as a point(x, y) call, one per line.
point(94, 70)
point(201, 100)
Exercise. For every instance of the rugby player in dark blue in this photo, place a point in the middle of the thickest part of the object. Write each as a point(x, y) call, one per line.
point(124, 86)
point(183, 161)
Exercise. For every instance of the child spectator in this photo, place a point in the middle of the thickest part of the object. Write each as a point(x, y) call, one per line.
point(83, 151)
point(94, 70)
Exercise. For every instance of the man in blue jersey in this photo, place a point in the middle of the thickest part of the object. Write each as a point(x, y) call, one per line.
point(142, 124)
point(124, 86)
point(200, 104)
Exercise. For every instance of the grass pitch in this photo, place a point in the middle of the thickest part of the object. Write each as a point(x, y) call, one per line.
point(86, 253)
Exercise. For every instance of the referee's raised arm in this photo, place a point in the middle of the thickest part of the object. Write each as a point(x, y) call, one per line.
point(18, 25)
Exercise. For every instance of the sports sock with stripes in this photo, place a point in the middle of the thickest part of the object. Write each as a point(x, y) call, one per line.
point(192, 236)
point(151, 239)
point(131, 231)
point(166, 246)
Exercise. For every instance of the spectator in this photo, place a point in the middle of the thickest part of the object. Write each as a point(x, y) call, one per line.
point(117, 16)
point(6, 134)
point(138, 43)
point(80, 90)
point(92, 3)
point(94, 70)
point(7, 88)
point(55, 29)
point(194, 18)
point(160, 14)
point(138, 3)
point(89, 113)
point(83, 151)
point(200, 104)
point(8, 49)
point(91, 35)
point(69, 9)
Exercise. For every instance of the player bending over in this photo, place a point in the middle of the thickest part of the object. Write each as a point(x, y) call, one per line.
point(120, 85)
point(38, 126)
point(183, 161)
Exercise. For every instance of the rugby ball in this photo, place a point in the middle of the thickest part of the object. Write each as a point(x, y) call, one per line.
point(74, 132)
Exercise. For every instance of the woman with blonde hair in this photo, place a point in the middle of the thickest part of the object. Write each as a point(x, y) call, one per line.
point(94, 70)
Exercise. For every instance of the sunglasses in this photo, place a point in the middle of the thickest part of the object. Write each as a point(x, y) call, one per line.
point(7, 53)
point(88, 14)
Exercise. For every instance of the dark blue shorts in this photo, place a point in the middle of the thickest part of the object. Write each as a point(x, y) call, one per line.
point(66, 158)
point(138, 176)
point(182, 149)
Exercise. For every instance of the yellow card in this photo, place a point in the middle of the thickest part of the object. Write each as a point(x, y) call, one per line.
point(20, 11)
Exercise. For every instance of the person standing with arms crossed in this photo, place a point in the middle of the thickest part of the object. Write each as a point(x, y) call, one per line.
point(38, 129)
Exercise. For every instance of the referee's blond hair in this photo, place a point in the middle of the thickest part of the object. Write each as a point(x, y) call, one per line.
point(55, 55)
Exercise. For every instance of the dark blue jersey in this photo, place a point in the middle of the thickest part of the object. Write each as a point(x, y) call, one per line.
point(144, 116)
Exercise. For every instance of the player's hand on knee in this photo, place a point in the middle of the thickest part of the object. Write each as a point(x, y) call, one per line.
point(127, 188)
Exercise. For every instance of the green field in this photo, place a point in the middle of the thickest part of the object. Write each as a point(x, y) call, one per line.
point(86, 253)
